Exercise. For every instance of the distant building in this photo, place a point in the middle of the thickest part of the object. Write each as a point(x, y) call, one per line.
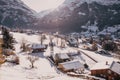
point(107, 70)
point(72, 42)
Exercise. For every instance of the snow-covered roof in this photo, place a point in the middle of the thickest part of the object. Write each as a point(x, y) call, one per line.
point(72, 40)
point(72, 65)
point(73, 53)
point(63, 56)
point(36, 46)
point(114, 66)
point(101, 65)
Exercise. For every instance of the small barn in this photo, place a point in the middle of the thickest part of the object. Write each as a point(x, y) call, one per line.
point(37, 48)
point(71, 66)
point(107, 70)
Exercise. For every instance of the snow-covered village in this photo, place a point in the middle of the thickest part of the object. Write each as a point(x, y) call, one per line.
point(60, 40)
point(35, 55)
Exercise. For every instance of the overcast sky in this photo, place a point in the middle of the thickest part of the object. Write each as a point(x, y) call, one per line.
point(39, 5)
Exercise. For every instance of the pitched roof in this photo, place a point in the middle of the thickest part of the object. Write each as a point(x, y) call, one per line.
point(36, 46)
point(62, 56)
point(72, 65)
point(114, 66)
point(101, 65)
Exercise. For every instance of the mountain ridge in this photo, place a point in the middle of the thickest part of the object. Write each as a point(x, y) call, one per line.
point(14, 13)
point(73, 14)
point(68, 17)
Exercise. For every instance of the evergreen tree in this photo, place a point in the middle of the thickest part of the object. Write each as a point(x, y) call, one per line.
point(7, 39)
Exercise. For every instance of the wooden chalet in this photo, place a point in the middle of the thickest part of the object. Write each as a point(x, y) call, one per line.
point(107, 70)
point(37, 48)
point(71, 66)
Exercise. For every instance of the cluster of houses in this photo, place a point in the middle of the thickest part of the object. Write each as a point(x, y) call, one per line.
point(67, 63)
point(27, 31)
point(92, 43)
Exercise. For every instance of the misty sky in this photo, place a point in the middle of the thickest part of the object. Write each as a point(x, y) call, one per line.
point(39, 5)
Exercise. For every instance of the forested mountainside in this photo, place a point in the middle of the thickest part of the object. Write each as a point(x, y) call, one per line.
point(68, 17)
point(73, 14)
point(14, 13)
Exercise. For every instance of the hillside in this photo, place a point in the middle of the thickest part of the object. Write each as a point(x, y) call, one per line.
point(73, 14)
point(68, 17)
point(14, 13)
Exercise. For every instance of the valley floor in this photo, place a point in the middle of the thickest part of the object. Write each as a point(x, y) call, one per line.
point(43, 70)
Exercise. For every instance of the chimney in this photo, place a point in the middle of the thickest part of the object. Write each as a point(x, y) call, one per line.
point(106, 62)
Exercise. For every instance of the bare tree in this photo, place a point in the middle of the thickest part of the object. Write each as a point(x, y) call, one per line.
point(41, 38)
point(51, 44)
point(32, 60)
point(62, 43)
point(23, 44)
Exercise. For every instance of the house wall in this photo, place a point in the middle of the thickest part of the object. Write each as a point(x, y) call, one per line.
point(105, 73)
point(63, 69)
point(38, 50)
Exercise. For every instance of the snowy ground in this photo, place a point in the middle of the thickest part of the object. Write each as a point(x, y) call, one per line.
point(44, 69)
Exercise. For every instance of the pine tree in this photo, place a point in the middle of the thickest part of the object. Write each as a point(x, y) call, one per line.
point(7, 39)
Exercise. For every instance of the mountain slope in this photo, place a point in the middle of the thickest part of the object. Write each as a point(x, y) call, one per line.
point(14, 13)
point(72, 14)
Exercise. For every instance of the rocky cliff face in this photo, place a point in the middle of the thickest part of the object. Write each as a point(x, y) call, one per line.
point(14, 13)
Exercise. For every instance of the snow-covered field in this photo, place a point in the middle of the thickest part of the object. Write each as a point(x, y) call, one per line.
point(43, 70)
